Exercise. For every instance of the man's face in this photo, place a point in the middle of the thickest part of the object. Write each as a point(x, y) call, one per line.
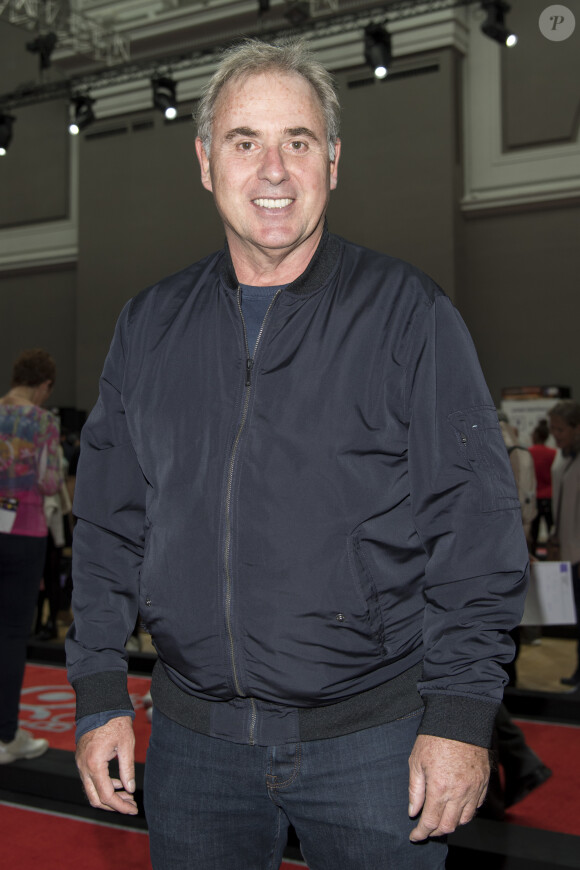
point(269, 168)
point(565, 435)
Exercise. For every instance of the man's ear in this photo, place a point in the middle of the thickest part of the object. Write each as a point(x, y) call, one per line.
point(334, 166)
point(204, 164)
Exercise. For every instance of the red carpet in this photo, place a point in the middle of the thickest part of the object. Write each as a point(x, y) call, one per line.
point(555, 805)
point(32, 839)
point(47, 709)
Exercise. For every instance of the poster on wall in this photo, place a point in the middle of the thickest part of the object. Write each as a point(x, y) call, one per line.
point(550, 599)
point(526, 406)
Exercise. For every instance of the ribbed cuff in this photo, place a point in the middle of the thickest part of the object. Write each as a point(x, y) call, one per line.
point(457, 717)
point(100, 692)
point(96, 720)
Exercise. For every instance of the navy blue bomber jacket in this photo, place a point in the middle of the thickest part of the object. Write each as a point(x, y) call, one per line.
point(320, 539)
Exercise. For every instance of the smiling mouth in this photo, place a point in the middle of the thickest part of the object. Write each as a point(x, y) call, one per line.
point(273, 203)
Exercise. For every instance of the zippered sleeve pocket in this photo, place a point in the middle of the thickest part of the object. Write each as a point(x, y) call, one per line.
point(481, 443)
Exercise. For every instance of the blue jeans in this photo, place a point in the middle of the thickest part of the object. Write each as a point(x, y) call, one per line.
point(215, 805)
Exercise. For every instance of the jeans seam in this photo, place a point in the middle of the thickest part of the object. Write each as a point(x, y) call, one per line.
point(275, 786)
point(277, 837)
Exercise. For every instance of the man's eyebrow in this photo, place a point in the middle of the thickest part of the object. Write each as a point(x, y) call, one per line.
point(301, 131)
point(241, 131)
point(255, 134)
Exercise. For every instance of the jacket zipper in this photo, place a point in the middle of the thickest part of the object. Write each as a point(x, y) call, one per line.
point(228, 505)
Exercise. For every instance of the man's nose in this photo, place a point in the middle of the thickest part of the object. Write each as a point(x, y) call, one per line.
point(273, 168)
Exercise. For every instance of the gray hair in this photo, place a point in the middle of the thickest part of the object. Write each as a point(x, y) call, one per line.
point(568, 409)
point(252, 57)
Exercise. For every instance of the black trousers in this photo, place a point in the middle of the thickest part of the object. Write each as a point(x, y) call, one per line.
point(544, 510)
point(515, 756)
point(21, 565)
point(52, 589)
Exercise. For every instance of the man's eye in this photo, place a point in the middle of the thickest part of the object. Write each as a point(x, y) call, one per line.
point(245, 146)
point(298, 146)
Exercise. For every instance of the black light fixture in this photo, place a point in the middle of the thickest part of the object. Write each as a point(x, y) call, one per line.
point(5, 132)
point(378, 49)
point(43, 46)
point(164, 96)
point(82, 113)
point(494, 25)
point(263, 6)
point(296, 12)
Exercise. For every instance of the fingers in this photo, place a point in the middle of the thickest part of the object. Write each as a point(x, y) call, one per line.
point(441, 818)
point(94, 752)
point(104, 795)
point(416, 790)
point(126, 758)
point(447, 782)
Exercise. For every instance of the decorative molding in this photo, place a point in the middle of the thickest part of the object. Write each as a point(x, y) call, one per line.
point(495, 179)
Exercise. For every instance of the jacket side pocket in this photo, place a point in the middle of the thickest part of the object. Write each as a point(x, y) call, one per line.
point(367, 590)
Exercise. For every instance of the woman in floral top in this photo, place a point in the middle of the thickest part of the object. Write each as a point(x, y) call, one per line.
point(29, 470)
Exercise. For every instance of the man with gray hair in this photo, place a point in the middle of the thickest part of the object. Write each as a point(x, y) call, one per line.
point(295, 473)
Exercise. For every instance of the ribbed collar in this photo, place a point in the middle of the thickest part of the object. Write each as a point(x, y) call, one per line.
point(318, 270)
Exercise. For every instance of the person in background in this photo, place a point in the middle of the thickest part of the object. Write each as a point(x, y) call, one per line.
point(523, 469)
point(523, 770)
point(57, 511)
point(543, 457)
point(295, 466)
point(565, 428)
point(29, 470)
point(524, 475)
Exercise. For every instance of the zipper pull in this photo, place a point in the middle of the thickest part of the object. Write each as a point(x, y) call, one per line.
point(249, 367)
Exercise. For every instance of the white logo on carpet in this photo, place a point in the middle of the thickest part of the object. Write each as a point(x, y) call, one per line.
point(52, 708)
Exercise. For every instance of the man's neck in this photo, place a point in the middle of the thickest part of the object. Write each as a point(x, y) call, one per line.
point(262, 267)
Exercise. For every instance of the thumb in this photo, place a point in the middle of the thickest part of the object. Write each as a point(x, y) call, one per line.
point(126, 759)
point(416, 790)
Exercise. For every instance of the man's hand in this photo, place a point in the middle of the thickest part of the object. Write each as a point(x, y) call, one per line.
point(95, 750)
point(447, 783)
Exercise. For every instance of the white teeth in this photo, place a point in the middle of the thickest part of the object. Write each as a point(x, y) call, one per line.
point(272, 203)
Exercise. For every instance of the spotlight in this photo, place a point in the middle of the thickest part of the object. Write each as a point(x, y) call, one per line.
point(43, 46)
point(82, 113)
point(377, 49)
point(5, 132)
point(164, 90)
point(494, 25)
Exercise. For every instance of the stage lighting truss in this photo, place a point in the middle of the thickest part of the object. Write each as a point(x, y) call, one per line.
point(376, 46)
